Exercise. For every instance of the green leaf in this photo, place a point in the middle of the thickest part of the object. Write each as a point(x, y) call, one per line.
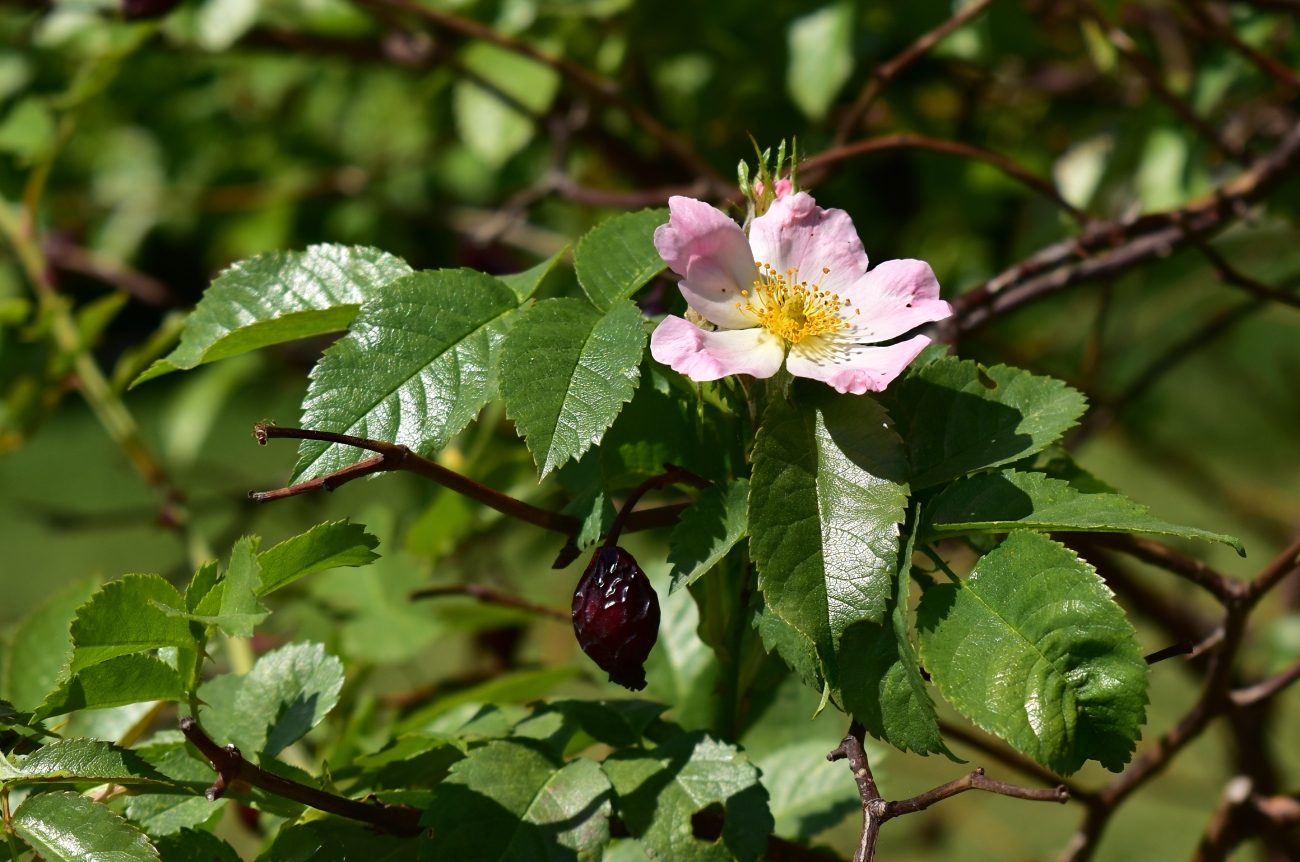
point(566, 371)
point(203, 582)
point(122, 618)
point(42, 645)
point(517, 686)
point(492, 128)
point(880, 675)
point(958, 417)
point(1000, 502)
point(659, 791)
point(821, 57)
point(324, 546)
point(417, 365)
point(415, 760)
point(708, 530)
point(826, 498)
point(117, 682)
point(165, 814)
point(65, 827)
point(231, 604)
point(277, 297)
point(334, 840)
point(525, 283)
point(1033, 648)
point(287, 693)
point(87, 760)
point(188, 845)
point(808, 794)
point(512, 800)
point(618, 257)
point(617, 723)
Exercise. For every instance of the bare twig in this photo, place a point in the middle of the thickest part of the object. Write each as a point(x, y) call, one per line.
point(876, 811)
point(62, 253)
point(1282, 565)
point(490, 596)
point(231, 766)
point(1266, 689)
point(883, 74)
point(1012, 758)
point(1229, 274)
point(1222, 587)
point(1223, 833)
point(1223, 30)
point(392, 456)
point(1180, 648)
point(939, 145)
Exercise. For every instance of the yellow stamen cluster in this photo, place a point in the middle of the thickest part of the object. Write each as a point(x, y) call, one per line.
point(793, 309)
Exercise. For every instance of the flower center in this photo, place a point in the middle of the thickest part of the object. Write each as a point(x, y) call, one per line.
point(793, 309)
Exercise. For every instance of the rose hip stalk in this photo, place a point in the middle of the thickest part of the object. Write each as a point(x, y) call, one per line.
point(615, 610)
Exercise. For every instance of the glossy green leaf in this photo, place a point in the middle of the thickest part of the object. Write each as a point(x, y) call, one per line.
point(276, 297)
point(708, 530)
point(1002, 501)
point(324, 546)
point(123, 618)
point(231, 604)
point(958, 417)
point(65, 827)
point(287, 693)
point(566, 371)
point(42, 645)
point(618, 257)
point(659, 791)
point(118, 681)
point(415, 760)
point(880, 675)
point(1033, 648)
point(545, 810)
point(334, 840)
point(87, 760)
point(826, 497)
point(415, 368)
point(525, 283)
point(189, 845)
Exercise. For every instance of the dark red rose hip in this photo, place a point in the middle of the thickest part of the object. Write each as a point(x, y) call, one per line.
point(616, 616)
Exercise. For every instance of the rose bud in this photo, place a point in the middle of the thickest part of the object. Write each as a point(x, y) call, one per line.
point(616, 616)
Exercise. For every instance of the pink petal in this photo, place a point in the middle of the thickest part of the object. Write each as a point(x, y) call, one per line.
point(853, 368)
point(702, 355)
point(895, 297)
point(796, 233)
point(711, 254)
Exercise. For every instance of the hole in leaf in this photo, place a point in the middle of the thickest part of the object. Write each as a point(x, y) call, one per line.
point(707, 823)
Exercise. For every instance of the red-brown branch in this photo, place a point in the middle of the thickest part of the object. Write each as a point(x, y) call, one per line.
point(487, 595)
point(230, 766)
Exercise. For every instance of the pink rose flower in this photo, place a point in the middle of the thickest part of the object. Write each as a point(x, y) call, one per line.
point(796, 290)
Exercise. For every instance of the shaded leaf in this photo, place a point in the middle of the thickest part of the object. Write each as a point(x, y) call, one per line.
point(334, 840)
point(821, 57)
point(287, 693)
point(65, 827)
point(87, 760)
point(1033, 648)
point(659, 791)
point(276, 297)
point(617, 257)
point(958, 417)
point(42, 645)
point(513, 800)
point(415, 368)
point(117, 682)
point(188, 845)
point(1000, 502)
point(708, 530)
point(525, 283)
point(566, 371)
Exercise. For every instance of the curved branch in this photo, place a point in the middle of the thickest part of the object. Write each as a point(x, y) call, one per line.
point(490, 596)
point(907, 140)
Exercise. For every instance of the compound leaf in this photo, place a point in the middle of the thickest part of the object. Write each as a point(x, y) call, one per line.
point(618, 256)
point(66, 827)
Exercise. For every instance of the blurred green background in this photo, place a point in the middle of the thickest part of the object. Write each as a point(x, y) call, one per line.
point(233, 127)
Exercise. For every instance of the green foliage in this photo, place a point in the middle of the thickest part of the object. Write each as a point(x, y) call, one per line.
point(40, 646)
point(287, 693)
point(65, 827)
point(324, 546)
point(1033, 648)
point(118, 681)
point(826, 498)
point(616, 258)
point(1002, 501)
point(332, 840)
point(187, 845)
point(659, 791)
point(125, 617)
point(547, 810)
point(280, 297)
point(959, 417)
point(708, 530)
point(89, 761)
point(417, 365)
point(566, 371)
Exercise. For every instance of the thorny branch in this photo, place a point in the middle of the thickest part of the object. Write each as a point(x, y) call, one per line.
point(876, 811)
point(232, 768)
